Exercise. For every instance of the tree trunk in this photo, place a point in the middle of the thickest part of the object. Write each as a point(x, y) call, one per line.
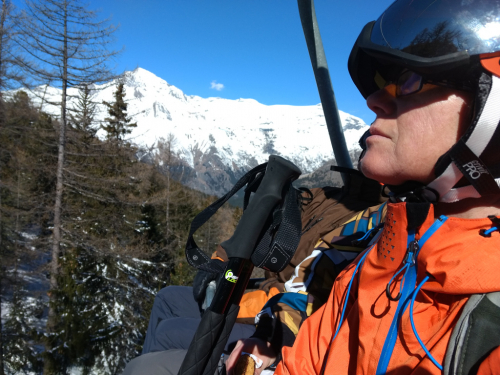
point(2, 31)
point(169, 161)
point(208, 236)
point(2, 25)
point(49, 363)
point(167, 229)
point(1, 278)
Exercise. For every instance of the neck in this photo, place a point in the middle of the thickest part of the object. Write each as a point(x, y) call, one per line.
point(472, 208)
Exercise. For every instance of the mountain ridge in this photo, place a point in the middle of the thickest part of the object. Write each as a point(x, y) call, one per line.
point(217, 140)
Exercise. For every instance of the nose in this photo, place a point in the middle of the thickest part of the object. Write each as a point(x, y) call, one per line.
point(383, 101)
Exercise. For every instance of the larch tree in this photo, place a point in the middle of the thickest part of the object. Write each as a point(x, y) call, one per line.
point(165, 159)
point(9, 77)
point(10, 56)
point(27, 169)
point(67, 46)
point(83, 114)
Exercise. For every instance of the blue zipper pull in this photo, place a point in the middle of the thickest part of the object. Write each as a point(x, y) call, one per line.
point(408, 261)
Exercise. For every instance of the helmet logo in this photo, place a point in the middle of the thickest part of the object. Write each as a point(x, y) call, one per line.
point(475, 169)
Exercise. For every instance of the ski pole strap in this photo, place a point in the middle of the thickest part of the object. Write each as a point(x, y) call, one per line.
point(194, 255)
point(272, 222)
point(278, 244)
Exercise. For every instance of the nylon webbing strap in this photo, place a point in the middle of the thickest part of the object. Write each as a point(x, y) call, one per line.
point(194, 255)
point(474, 169)
point(279, 242)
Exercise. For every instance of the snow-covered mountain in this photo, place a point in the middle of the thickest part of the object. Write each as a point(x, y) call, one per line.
point(219, 139)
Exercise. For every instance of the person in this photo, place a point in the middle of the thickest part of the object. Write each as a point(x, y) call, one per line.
point(331, 212)
point(430, 70)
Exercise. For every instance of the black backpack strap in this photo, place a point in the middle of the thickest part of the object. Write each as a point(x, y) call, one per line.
point(194, 255)
point(475, 336)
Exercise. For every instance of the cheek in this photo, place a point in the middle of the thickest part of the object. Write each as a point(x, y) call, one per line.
point(420, 134)
point(418, 138)
point(429, 132)
point(414, 142)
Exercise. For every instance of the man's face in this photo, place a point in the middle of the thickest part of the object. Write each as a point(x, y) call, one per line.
point(411, 132)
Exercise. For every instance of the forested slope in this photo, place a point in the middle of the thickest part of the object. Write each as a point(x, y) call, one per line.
point(124, 224)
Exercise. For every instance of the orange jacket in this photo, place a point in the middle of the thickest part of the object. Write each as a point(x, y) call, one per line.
point(459, 261)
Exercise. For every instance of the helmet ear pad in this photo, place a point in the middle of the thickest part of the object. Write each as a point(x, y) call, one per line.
point(490, 156)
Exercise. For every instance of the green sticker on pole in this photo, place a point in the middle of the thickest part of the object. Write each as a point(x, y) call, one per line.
point(231, 277)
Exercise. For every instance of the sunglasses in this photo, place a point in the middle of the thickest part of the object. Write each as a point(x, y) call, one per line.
point(409, 82)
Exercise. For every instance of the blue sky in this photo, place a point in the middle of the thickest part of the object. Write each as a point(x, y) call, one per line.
point(240, 48)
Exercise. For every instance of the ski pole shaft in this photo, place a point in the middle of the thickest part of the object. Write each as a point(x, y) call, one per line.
point(217, 322)
point(231, 315)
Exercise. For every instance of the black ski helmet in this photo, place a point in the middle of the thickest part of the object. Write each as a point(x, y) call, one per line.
point(450, 41)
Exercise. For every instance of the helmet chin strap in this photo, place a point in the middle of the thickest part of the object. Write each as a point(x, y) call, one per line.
point(412, 192)
point(464, 157)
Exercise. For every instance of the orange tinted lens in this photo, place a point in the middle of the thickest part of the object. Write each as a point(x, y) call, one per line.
point(408, 83)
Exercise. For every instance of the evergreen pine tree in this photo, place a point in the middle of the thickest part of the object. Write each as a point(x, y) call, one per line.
point(19, 335)
point(118, 124)
point(116, 250)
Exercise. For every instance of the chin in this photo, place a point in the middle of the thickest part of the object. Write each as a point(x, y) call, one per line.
point(379, 174)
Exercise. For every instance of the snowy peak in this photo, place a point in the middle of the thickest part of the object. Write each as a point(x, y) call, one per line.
point(145, 84)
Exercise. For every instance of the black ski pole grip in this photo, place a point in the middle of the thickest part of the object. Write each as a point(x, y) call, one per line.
point(279, 172)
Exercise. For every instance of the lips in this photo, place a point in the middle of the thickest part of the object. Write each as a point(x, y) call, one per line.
point(375, 131)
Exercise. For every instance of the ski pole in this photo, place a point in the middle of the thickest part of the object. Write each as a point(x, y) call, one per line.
point(217, 321)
